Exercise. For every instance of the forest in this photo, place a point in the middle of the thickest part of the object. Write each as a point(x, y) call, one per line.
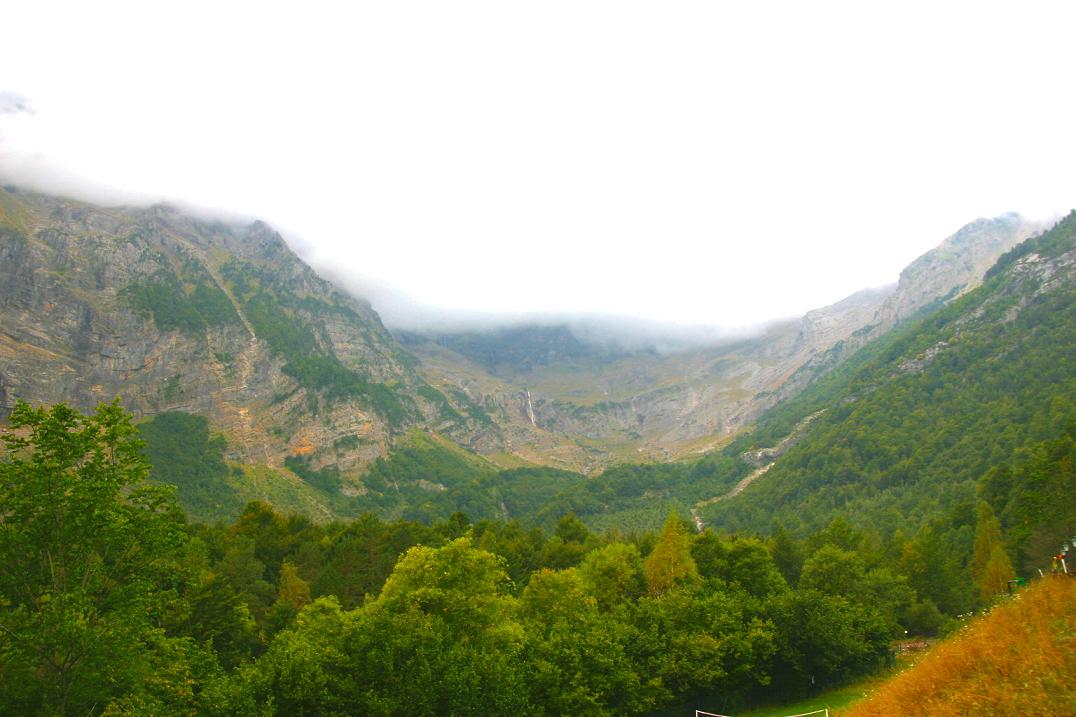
point(112, 602)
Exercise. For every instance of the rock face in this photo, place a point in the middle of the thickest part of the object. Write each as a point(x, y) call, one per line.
point(954, 267)
point(173, 312)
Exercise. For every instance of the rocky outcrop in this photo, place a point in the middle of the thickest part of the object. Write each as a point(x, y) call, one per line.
point(174, 312)
point(953, 268)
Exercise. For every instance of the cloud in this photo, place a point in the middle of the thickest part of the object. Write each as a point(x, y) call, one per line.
point(13, 104)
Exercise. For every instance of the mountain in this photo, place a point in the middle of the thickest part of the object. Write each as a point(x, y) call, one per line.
point(177, 313)
point(967, 403)
point(256, 379)
point(580, 398)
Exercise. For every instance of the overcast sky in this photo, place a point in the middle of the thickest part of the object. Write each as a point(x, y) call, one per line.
point(698, 162)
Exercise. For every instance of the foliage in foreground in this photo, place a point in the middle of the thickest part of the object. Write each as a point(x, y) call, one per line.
point(111, 604)
point(89, 553)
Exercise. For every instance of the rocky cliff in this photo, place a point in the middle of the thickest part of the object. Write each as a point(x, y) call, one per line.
point(953, 268)
point(173, 312)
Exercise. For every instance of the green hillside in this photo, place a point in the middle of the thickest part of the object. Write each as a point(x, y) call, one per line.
point(912, 424)
point(426, 478)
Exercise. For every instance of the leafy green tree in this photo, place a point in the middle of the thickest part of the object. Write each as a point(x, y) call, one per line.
point(292, 589)
point(823, 639)
point(559, 554)
point(932, 569)
point(441, 638)
point(360, 558)
point(613, 575)
point(996, 574)
point(445, 614)
point(87, 548)
point(744, 562)
point(213, 612)
point(571, 530)
point(305, 671)
point(520, 548)
point(924, 618)
point(293, 593)
point(575, 656)
point(787, 555)
point(247, 575)
point(181, 680)
point(698, 640)
point(834, 571)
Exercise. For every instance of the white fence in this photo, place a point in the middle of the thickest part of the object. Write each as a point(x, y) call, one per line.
point(823, 712)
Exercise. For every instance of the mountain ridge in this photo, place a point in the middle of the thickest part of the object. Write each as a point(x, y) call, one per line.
point(185, 314)
point(646, 404)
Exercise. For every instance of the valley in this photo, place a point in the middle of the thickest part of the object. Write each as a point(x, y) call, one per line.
point(537, 359)
point(348, 496)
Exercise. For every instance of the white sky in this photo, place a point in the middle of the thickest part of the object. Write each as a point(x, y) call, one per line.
point(698, 162)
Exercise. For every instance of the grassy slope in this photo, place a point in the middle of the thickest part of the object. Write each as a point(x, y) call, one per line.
point(1018, 659)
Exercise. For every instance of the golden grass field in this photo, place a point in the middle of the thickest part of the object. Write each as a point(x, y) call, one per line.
point(1019, 660)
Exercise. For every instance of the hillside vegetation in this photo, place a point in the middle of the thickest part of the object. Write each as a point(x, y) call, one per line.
point(1019, 659)
point(912, 423)
point(113, 604)
point(426, 478)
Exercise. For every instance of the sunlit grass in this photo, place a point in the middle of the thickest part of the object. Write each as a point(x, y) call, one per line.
point(1019, 659)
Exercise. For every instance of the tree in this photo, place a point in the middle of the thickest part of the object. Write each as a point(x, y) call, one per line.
point(571, 530)
point(613, 574)
point(575, 656)
point(212, 611)
point(445, 614)
point(787, 555)
point(739, 561)
point(834, 571)
point(87, 546)
point(996, 574)
point(670, 562)
point(990, 564)
point(823, 639)
point(293, 593)
point(933, 572)
point(702, 641)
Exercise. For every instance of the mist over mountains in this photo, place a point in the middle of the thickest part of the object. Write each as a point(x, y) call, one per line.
point(217, 316)
point(537, 359)
point(309, 446)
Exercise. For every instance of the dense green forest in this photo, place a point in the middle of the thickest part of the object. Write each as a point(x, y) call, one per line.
point(181, 299)
point(112, 603)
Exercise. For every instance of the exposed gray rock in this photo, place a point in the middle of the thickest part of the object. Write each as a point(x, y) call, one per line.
point(70, 332)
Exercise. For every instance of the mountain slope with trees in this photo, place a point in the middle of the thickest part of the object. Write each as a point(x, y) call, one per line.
point(978, 396)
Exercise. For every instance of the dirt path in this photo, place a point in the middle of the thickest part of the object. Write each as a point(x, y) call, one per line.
point(772, 454)
point(736, 490)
